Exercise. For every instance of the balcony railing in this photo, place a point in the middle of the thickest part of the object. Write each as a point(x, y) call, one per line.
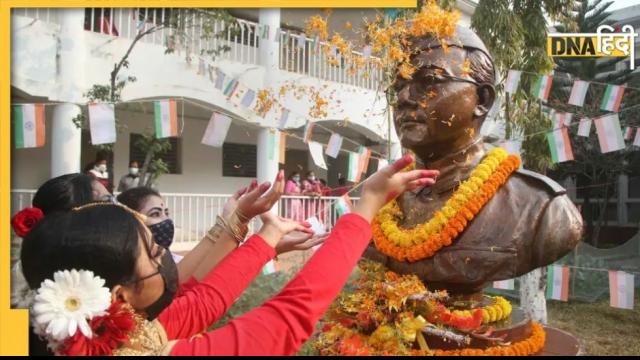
point(194, 214)
point(242, 41)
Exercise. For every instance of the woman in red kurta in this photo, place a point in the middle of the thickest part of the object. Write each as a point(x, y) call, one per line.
point(278, 327)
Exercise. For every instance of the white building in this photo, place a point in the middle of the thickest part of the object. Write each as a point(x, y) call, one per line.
point(58, 54)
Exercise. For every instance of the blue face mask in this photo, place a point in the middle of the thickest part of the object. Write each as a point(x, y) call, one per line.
point(296, 178)
point(163, 233)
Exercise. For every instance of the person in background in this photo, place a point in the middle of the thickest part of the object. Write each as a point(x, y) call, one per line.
point(293, 187)
point(325, 189)
point(313, 188)
point(99, 173)
point(132, 179)
point(342, 188)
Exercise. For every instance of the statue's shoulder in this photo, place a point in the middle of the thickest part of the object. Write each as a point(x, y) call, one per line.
point(540, 181)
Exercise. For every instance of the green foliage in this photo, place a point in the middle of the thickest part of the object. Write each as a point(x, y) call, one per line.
point(515, 32)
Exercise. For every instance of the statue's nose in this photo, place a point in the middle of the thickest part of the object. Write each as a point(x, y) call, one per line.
point(404, 96)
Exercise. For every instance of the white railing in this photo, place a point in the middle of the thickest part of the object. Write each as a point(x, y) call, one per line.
point(241, 39)
point(195, 214)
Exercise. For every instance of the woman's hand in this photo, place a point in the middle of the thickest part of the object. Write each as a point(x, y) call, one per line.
point(274, 228)
point(298, 241)
point(388, 183)
point(257, 199)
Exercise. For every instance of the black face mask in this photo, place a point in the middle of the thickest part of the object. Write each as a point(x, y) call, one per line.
point(163, 233)
point(169, 273)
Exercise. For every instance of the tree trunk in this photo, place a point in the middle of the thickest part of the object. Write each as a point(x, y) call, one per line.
point(603, 212)
point(145, 167)
point(533, 287)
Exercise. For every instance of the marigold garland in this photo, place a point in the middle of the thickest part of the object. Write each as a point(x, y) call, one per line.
point(527, 347)
point(424, 240)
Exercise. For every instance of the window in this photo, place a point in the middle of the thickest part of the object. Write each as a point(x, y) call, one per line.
point(158, 16)
point(239, 160)
point(171, 157)
point(100, 20)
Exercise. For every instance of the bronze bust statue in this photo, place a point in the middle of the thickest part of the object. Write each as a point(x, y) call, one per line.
point(530, 222)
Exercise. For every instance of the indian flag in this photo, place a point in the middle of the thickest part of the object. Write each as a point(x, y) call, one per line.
point(335, 143)
point(542, 87)
point(308, 131)
point(560, 145)
point(578, 92)
point(28, 122)
point(504, 284)
point(353, 171)
point(166, 118)
point(283, 147)
point(621, 289)
point(562, 120)
point(365, 156)
point(558, 283)
point(231, 88)
point(612, 98)
point(636, 141)
point(628, 133)
point(609, 133)
point(344, 205)
point(584, 129)
point(269, 268)
point(513, 79)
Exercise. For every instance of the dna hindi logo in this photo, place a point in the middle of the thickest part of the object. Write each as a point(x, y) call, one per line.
point(606, 42)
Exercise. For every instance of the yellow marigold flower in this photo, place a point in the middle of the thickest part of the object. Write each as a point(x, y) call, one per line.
point(396, 54)
point(317, 26)
point(406, 70)
point(348, 25)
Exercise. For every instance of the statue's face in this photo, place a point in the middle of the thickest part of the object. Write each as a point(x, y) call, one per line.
point(436, 111)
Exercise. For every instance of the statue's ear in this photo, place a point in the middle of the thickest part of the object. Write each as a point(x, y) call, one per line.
point(486, 96)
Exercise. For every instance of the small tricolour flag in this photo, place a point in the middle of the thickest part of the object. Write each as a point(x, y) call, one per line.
point(308, 131)
point(609, 133)
point(29, 127)
point(560, 145)
point(542, 87)
point(636, 141)
point(272, 144)
point(584, 129)
point(247, 99)
point(269, 268)
point(365, 157)
point(621, 289)
point(612, 98)
point(562, 119)
point(628, 133)
point(217, 130)
point(513, 79)
point(102, 123)
point(558, 282)
point(335, 143)
point(220, 75)
point(504, 284)
point(366, 51)
point(317, 154)
point(302, 40)
point(344, 205)
point(231, 88)
point(353, 170)
point(284, 117)
point(578, 92)
point(283, 147)
point(166, 118)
